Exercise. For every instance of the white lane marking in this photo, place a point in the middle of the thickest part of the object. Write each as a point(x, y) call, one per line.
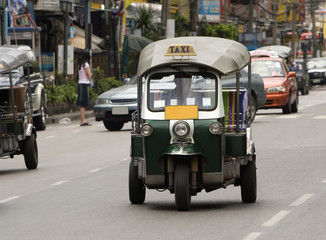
point(276, 218)
point(324, 181)
point(125, 159)
point(9, 199)
point(301, 200)
point(320, 117)
point(76, 131)
point(59, 183)
point(289, 116)
point(51, 136)
point(95, 170)
point(252, 236)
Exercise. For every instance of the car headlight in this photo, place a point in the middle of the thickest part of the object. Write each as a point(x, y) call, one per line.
point(181, 129)
point(102, 101)
point(216, 128)
point(277, 89)
point(146, 130)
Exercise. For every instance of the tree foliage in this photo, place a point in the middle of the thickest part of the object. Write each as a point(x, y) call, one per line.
point(181, 26)
point(147, 20)
point(229, 31)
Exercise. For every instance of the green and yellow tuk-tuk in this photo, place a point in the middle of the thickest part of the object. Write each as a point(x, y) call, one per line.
point(189, 134)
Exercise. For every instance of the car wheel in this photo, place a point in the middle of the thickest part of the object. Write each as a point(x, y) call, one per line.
point(40, 121)
point(248, 182)
point(294, 106)
point(287, 107)
point(30, 152)
point(252, 109)
point(137, 190)
point(182, 187)
point(113, 125)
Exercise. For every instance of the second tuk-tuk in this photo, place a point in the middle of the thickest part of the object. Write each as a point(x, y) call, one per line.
point(189, 134)
point(17, 132)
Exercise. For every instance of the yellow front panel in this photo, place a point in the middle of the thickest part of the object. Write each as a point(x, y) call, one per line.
point(181, 112)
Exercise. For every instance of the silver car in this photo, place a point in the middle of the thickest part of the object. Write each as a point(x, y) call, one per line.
point(115, 106)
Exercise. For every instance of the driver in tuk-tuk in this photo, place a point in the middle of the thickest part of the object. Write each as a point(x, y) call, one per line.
point(181, 94)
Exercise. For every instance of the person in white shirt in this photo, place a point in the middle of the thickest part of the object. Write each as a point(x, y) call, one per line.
point(85, 76)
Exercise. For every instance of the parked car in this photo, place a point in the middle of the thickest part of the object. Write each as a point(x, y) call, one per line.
point(258, 93)
point(280, 84)
point(317, 71)
point(19, 79)
point(115, 106)
point(302, 75)
point(17, 132)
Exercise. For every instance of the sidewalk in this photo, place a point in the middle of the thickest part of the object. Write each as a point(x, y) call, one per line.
point(74, 116)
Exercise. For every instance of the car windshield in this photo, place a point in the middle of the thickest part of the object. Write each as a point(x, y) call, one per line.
point(177, 90)
point(320, 63)
point(267, 68)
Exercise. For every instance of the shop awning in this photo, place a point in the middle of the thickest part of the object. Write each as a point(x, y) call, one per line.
point(79, 40)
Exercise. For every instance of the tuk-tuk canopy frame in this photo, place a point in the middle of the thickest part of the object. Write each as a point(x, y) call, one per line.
point(12, 57)
point(224, 55)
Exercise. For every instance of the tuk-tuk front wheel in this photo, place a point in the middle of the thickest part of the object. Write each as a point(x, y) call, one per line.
point(30, 152)
point(248, 182)
point(137, 190)
point(182, 187)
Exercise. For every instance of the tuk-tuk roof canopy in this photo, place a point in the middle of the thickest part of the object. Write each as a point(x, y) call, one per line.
point(224, 55)
point(282, 51)
point(12, 57)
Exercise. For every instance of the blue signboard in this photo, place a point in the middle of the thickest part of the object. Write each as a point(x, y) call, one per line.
point(209, 9)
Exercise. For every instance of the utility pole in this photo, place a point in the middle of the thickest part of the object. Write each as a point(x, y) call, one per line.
point(274, 9)
point(314, 40)
point(251, 17)
point(165, 13)
point(294, 14)
point(193, 17)
point(107, 38)
point(225, 10)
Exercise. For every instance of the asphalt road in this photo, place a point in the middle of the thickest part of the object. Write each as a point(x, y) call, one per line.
point(80, 190)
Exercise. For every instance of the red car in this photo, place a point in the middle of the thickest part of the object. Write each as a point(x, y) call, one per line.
point(280, 84)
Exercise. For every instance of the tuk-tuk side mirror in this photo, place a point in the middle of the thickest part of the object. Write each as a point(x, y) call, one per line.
point(292, 74)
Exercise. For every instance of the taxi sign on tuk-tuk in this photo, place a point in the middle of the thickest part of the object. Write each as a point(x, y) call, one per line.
point(180, 50)
point(189, 134)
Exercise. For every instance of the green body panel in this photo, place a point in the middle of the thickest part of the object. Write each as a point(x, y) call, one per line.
point(206, 144)
point(236, 144)
point(155, 146)
point(137, 146)
point(211, 145)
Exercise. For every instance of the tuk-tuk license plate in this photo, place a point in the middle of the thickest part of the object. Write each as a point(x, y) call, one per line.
point(120, 111)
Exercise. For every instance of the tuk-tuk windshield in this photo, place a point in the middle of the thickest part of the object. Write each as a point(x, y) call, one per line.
point(176, 89)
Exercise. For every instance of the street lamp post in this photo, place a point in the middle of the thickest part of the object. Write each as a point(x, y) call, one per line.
point(3, 5)
point(65, 6)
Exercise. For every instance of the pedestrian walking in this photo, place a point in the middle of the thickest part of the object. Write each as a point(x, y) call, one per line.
point(84, 79)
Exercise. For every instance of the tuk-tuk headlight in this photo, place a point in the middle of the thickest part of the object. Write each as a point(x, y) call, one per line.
point(216, 128)
point(146, 130)
point(181, 129)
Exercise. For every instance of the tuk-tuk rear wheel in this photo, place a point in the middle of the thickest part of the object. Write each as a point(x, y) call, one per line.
point(182, 187)
point(137, 190)
point(248, 182)
point(30, 152)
